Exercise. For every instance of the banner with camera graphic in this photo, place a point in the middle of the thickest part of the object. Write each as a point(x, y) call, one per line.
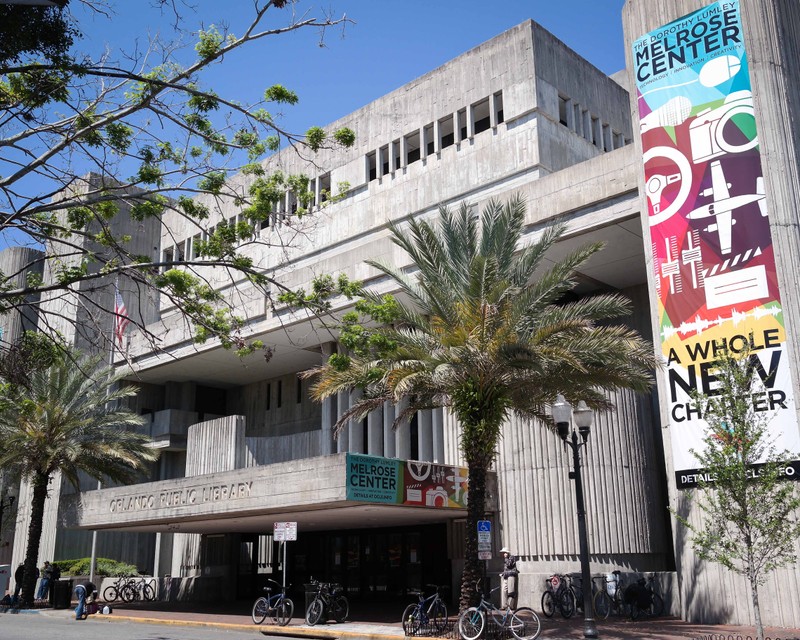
point(409, 482)
point(713, 261)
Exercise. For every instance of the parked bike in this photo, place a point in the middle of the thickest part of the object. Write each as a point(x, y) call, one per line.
point(643, 600)
point(129, 589)
point(558, 594)
point(611, 597)
point(329, 601)
point(278, 607)
point(428, 612)
point(522, 623)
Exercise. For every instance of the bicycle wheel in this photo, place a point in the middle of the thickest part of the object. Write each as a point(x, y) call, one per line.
point(524, 624)
point(621, 604)
point(602, 604)
point(128, 593)
point(260, 610)
point(548, 604)
point(411, 620)
point(471, 623)
point(341, 607)
point(282, 613)
point(148, 593)
point(566, 603)
point(656, 605)
point(439, 616)
point(110, 594)
point(314, 613)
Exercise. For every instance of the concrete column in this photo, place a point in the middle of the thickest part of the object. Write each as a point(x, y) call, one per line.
point(317, 202)
point(493, 111)
point(375, 433)
point(425, 435)
point(356, 427)
point(437, 137)
point(423, 144)
point(470, 122)
point(327, 419)
point(438, 435)
point(570, 115)
point(157, 555)
point(403, 152)
point(379, 163)
point(403, 434)
point(343, 439)
point(392, 157)
point(389, 442)
point(456, 128)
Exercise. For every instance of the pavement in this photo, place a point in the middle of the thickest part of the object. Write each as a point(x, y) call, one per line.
point(375, 623)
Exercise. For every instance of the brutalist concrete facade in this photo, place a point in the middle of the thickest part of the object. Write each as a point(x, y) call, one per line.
point(520, 114)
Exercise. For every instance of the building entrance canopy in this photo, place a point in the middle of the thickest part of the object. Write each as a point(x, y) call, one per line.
point(332, 492)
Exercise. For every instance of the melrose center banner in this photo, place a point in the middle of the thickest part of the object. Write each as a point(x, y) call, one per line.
point(713, 261)
point(394, 481)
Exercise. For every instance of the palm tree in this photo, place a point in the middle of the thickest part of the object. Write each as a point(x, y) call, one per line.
point(62, 419)
point(483, 328)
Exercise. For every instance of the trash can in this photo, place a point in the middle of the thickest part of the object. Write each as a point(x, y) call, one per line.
point(311, 592)
point(61, 593)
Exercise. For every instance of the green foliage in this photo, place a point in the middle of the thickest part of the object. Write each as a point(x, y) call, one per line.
point(34, 88)
point(46, 32)
point(750, 506)
point(192, 208)
point(103, 567)
point(212, 182)
point(204, 102)
point(83, 121)
point(280, 94)
point(315, 138)
point(345, 137)
point(118, 136)
point(151, 207)
point(209, 43)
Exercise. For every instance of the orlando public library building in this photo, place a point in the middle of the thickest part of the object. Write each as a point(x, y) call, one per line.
point(704, 240)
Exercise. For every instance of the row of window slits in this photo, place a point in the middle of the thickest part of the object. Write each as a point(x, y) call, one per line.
point(581, 121)
point(480, 114)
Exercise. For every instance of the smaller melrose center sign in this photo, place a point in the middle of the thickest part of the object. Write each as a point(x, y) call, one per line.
point(408, 482)
point(713, 257)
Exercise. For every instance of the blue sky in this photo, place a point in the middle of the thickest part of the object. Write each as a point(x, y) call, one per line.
point(390, 44)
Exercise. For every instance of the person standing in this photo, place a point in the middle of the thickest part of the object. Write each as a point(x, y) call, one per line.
point(83, 591)
point(510, 576)
point(44, 585)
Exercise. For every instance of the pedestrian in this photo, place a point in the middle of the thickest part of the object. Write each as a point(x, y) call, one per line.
point(510, 576)
point(82, 592)
point(19, 574)
point(44, 584)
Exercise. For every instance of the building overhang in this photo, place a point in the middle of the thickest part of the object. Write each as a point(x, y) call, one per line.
point(314, 492)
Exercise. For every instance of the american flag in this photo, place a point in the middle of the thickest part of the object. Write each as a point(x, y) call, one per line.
point(121, 321)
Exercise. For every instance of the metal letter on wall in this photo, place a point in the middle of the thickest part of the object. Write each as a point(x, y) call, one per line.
point(714, 267)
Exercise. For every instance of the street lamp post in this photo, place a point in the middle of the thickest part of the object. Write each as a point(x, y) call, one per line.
point(564, 416)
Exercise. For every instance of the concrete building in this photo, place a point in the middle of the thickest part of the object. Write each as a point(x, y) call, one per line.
point(243, 447)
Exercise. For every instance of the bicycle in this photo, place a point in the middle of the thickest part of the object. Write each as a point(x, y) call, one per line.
point(558, 594)
point(137, 589)
point(111, 592)
point(610, 598)
point(422, 614)
point(643, 599)
point(329, 600)
point(523, 623)
point(279, 608)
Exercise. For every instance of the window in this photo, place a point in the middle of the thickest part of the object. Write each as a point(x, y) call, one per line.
point(430, 144)
point(196, 246)
point(412, 147)
point(596, 133)
point(169, 256)
point(446, 132)
point(372, 173)
point(384, 150)
point(279, 394)
point(413, 432)
point(269, 395)
point(325, 188)
point(462, 124)
point(576, 115)
point(498, 105)
point(562, 110)
point(480, 116)
point(299, 390)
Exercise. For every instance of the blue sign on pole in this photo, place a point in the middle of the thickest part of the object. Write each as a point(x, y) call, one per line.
point(485, 526)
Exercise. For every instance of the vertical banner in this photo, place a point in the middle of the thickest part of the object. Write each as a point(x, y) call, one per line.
point(713, 261)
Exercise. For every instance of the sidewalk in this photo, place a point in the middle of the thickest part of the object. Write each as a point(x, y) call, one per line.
point(375, 625)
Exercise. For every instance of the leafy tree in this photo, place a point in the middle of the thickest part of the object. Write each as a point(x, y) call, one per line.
point(61, 420)
point(91, 147)
point(750, 522)
point(483, 328)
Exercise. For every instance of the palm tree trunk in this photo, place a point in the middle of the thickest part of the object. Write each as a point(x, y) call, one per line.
point(476, 508)
point(39, 483)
